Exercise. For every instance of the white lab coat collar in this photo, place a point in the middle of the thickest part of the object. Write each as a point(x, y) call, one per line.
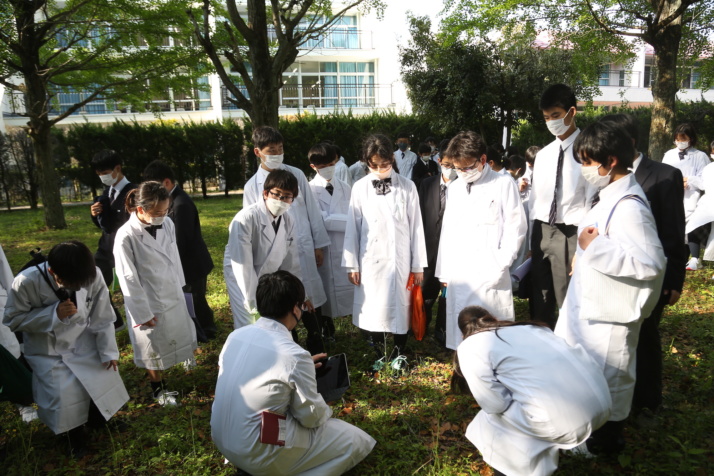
point(273, 325)
point(138, 228)
point(636, 163)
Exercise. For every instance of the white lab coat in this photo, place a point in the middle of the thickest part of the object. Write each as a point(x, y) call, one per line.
point(150, 275)
point(254, 249)
point(704, 212)
point(384, 240)
point(405, 164)
point(262, 369)
point(357, 171)
point(311, 233)
point(342, 172)
point(632, 250)
point(339, 290)
point(480, 237)
point(67, 357)
point(7, 337)
point(537, 395)
point(691, 167)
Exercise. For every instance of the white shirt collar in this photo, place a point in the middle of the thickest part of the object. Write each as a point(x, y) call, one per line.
point(119, 185)
point(637, 162)
point(569, 141)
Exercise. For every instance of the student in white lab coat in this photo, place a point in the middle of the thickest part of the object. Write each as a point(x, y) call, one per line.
point(261, 240)
point(357, 171)
point(333, 196)
point(691, 162)
point(404, 158)
point(261, 370)
point(384, 243)
point(485, 211)
point(311, 235)
point(63, 309)
point(537, 394)
point(149, 270)
point(342, 172)
point(616, 238)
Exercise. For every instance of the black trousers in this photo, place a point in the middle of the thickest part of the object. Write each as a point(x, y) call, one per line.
point(552, 248)
point(106, 266)
point(648, 386)
point(204, 313)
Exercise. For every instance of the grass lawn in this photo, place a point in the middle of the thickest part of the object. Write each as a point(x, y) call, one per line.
point(419, 426)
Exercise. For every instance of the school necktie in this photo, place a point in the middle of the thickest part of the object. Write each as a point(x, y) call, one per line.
point(682, 154)
point(112, 194)
point(330, 188)
point(596, 199)
point(468, 187)
point(152, 229)
point(442, 199)
point(403, 155)
point(382, 187)
point(276, 224)
point(554, 205)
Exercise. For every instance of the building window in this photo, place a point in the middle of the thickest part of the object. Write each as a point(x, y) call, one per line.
point(691, 78)
point(329, 84)
point(604, 75)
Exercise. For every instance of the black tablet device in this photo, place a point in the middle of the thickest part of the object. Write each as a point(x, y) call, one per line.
point(333, 378)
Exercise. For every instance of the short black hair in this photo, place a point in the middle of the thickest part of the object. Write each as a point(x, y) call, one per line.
point(466, 145)
point(494, 155)
point(557, 95)
point(516, 162)
point(157, 171)
point(278, 293)
point(379, 145)
point(105, 159)
point(73, 263)
point(689, 130)
point(424, 148)
point(443, 146)
point(403, 135)
point(531, 153)
point(322, 154)
point(263, 136)
point(626, 122)
point(602, 140)
point(282, 179)
point(430, 139)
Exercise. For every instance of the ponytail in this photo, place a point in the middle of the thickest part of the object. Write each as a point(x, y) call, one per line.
point(146, 196)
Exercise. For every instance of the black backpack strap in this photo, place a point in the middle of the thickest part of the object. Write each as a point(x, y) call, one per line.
point(61, 296)
point(631, 196)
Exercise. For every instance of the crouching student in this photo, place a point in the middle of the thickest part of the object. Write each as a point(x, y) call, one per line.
point(261, 240)
point(484, 209)
point(151, 278)
point(63, 309)
point(333, 196)
point(384, 243)
point(537, 394)
point(263, 370)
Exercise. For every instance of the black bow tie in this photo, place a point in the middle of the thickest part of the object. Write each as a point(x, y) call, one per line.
point(382, 186)
point(152, 229)
point(682, 154)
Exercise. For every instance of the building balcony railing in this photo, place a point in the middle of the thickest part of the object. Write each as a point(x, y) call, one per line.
point(337, 39)
point(325, 96)
point(620, 78)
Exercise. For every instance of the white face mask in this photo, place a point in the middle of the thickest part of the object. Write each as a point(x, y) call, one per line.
point(273, 161)
point(380, 175)
point(157, 220)
point(425, 158)
point(449, 174)
point(712, 156)
point(592, 176)
point(327, 172)
point(682, 145)
point(107, 179)
point(276, 207)
point(557, 127)
point(470, 176)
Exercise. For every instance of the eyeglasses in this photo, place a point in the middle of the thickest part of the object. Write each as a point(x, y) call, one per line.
point(282, 198)
point(380, 168)
point(447, 166)
point(467, 169)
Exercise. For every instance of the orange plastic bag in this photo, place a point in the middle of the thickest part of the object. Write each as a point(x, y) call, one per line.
point(418, 317)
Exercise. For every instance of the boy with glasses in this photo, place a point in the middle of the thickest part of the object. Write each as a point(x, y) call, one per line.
point(483, 227)
point(261, 240)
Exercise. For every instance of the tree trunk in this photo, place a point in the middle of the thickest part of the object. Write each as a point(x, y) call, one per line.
point(664, 90)
point(265, 108)
point(49, 182)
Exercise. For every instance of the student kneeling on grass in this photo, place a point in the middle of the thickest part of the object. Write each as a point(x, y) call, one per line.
point(263, 371)
point(63, 309)
point(150, 275)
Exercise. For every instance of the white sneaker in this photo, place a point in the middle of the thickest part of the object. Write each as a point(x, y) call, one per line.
point(693, 264)
point(28, 413)
point(166, 398)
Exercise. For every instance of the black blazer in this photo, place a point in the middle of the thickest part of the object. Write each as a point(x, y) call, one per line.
point(664, 187)
point(430, 216)
point(113, 216)
point(422, 170)
point(195, 258)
